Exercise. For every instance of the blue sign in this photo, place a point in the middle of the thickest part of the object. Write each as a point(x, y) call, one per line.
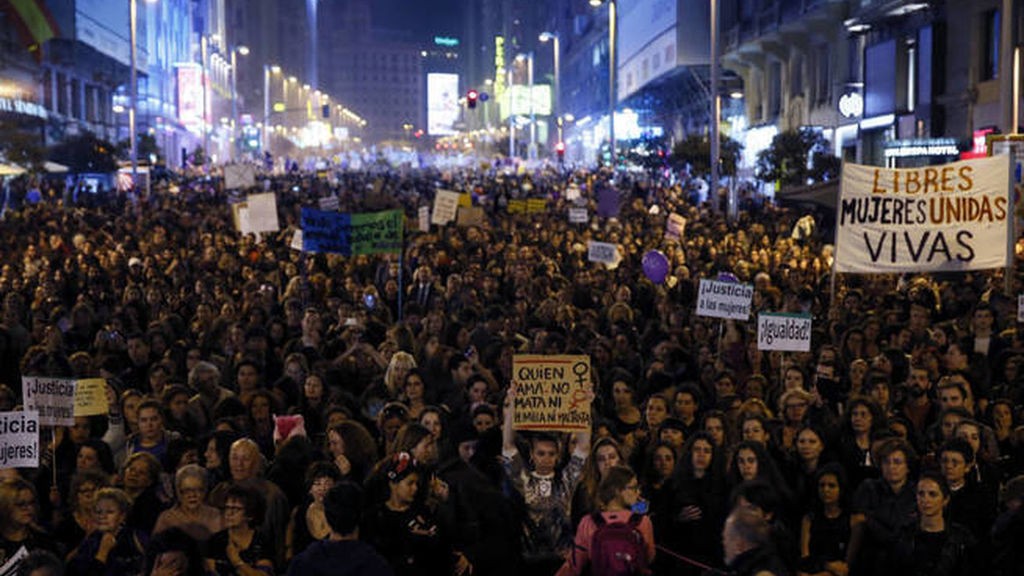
point(484, 96)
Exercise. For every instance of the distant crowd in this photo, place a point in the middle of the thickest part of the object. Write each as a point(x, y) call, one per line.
point(273, 411)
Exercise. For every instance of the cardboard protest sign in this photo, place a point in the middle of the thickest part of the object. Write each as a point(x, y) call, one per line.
point(675, 227)
point(446, 205)
point(945, 218)
point(240, 218)
point(470, 216)
point(352, 234)
point(728, 300)
point(239, 176)
point(536, 205)
point(578, 216)
point(52, 398)
point(517, 206)
point(424, 218)
point(263, 212)
point(329, 203)
point(604, 252)
point(297, 241)
point(19, 439)
point(91, 397)
point(781, 331)
point(552, 393)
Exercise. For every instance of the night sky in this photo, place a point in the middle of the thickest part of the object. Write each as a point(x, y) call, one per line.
point(423, 18)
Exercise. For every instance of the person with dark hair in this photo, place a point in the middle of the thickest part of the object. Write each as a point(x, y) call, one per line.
point(968, 505)
point(241, 548)
point(352, 449)
point(342, 553)
point(696, 505)
point(215, 456)
point(403, 530)
point(825, 528)
point(882, 507)
point(308, 522)
point(77, 522)
point(933, 545)
point(173, 553)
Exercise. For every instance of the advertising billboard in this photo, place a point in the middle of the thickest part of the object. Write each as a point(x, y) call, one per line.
point(190, 96)
point(442, 103)
point(518, 101)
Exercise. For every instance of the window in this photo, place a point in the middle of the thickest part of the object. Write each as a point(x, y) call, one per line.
point(990, 45)
point(821, 75)
point(774, 88)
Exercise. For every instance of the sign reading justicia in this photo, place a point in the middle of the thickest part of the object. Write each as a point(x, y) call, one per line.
point(952, 217)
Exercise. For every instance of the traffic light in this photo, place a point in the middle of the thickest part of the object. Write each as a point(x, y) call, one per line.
point(560, 151)
point(471, 98)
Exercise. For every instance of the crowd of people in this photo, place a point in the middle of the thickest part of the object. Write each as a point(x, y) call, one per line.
point(273, 411)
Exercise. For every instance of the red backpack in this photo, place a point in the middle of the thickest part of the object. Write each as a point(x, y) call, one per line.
point(617, 548)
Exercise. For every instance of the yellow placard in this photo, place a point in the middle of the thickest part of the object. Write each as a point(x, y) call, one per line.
point(91, 397)
point(552, 393)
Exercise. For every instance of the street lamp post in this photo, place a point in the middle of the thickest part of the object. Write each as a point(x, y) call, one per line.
point(133, 106)
point(511, 118)
point(544, 37)
point(267, 71)
point(716, 109)
point(531, 152)
point(244, 51)
point(612, 96)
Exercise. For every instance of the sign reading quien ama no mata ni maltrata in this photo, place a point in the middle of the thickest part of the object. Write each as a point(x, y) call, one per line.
point(552, 393)
point(948, 218)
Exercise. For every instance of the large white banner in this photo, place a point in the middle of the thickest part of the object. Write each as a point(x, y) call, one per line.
point(945, 218)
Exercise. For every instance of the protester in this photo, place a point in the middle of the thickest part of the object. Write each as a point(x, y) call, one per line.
point(166, 299)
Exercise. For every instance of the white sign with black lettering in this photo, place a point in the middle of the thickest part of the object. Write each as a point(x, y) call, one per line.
point(19, 439)
point(728, 300)
point(787, 332)
point(52, 398)
point(578, 216)
point(602, 252)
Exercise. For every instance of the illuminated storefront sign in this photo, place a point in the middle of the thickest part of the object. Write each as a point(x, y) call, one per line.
point(918, 148)
point(19, 106)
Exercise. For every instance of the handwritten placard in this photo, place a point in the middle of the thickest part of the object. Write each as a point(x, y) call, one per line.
point(91, 397)
point(446, 205)
point(578, 216)
point(552, 393)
